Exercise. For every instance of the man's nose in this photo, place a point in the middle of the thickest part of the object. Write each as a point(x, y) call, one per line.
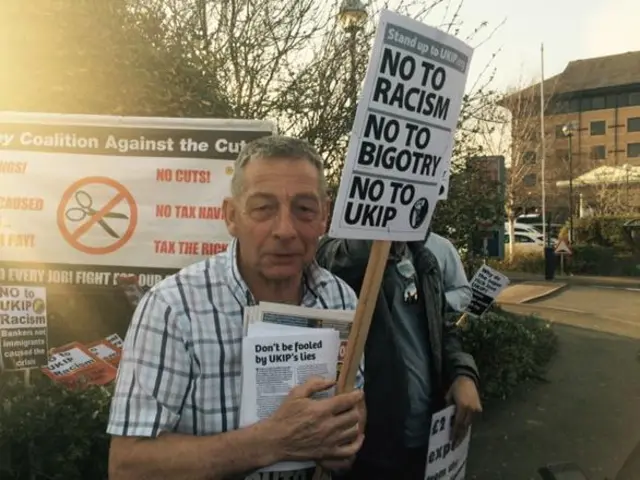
point(284, 227)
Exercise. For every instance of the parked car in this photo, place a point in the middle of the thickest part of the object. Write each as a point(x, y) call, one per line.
point(522, 228)
point(526, 241)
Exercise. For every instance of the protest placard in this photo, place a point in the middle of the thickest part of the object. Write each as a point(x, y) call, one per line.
point(402, 138)
point(74, 365)
point(444, 462)
point(107, 351)
point(486, 285)
point(115, 340)
point(85, 200)
point(23, 327)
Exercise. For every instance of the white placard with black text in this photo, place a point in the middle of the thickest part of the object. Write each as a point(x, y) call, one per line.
point(403, 133)
point(486, 285)
point(23, 327)
point(444, 462)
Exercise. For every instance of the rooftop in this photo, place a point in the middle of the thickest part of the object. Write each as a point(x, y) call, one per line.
point(593, 74)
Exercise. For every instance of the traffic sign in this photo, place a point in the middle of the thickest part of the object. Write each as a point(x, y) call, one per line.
point(563, 248)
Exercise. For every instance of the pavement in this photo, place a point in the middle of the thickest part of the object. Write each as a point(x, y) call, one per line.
point(583, 280)
point(587, 410)
point(528, 291)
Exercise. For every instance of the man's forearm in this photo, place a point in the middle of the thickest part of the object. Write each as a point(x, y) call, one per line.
point(175, 456)
point(459, 298)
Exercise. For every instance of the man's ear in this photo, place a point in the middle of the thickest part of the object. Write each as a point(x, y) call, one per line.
point(326, 210)
point(231, 213)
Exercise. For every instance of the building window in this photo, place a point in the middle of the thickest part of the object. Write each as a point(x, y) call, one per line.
point(559, 132)
point(599, 127)
point(598, 152)
point(574, 105)
point(623, 100)
point(612, 101)
point(585, 104)
point(530, 180)
point(633, 150)
point(634, 99)
point(633, 124)
point(598, 103)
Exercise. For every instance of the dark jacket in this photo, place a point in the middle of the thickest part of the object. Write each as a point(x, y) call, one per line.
point(385, 375)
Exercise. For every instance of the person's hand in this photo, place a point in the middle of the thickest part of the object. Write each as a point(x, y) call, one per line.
point(323, 429)
point(346, 464)
point(464, 394)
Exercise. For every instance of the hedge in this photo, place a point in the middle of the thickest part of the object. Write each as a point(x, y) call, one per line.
point(509, 350)
point(586, 260)
point(48, 432)
point(602, 232)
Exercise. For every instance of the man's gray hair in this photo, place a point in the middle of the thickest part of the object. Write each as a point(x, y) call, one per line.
point(277, 146)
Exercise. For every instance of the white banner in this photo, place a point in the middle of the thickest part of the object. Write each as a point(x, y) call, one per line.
point(402, 138)
point(23, 327)
point(128, 194)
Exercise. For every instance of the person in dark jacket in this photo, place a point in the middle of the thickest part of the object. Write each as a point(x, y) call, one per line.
point(415, 364)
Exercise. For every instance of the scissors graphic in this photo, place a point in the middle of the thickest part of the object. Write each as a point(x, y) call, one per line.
point(84, 210)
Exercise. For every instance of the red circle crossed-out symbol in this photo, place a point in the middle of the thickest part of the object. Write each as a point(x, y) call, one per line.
point(96, 216)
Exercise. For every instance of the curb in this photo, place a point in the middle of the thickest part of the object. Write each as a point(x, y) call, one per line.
point(557, 288)
point(553, 289)
point(601, 282)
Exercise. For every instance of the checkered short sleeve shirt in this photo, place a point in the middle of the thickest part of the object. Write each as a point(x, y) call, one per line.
point(181, 364)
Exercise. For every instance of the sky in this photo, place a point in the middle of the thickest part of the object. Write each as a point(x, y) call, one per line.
point(569, 29)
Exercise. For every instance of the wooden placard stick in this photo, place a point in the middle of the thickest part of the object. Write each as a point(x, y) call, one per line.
point(462, 320)
point(361, 322)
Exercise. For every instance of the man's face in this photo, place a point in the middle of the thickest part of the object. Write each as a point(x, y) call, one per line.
point(278, 218)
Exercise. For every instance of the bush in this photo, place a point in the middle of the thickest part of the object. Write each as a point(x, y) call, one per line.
point(603, 261)
point(602, 232)
point(48, 432)
point(509, 349)
point(528, 262)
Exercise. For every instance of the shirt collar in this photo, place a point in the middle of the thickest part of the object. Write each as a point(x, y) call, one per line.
point(312, 281)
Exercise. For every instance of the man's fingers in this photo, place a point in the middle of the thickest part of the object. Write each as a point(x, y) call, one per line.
point(458, 424)
point(461, 425)
point(344, 401)
point(348, 450)
point(449, 397)
point(311, 386)
point(344, 421)
point(347, 436)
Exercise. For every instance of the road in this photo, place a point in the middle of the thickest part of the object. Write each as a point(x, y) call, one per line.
point(588, 411)
point(604, 309)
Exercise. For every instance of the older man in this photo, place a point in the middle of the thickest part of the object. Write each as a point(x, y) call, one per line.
point(175, 410)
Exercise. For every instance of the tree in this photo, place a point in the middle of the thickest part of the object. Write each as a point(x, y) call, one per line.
point(102, 57)
point(280, 59)
point(515, 134)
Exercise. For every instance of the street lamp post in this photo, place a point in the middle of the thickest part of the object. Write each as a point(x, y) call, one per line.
point(352, 15)
point(569, 129)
